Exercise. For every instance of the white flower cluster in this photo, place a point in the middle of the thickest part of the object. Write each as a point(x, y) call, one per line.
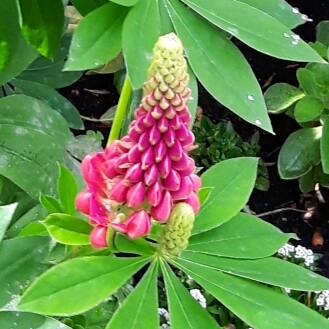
point(197, 295)
point(298, 252)
point(322, 299)
point(165, 315)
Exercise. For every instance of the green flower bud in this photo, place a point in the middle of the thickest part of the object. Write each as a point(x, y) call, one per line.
point(177, 231)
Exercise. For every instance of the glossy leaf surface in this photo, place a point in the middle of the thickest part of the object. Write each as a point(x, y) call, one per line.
point(73, 281)
point(222, 65)
point(42, 24)
point(140, 308)
point(324, 145)
point(20, 261)
point(232, 182)
point(68, 229)
point(308, 108)
point(16, 53)
point(99, 30)
point(252, 26)
point(299, 153)
point(240, 237)
point(51, 97)
point(269, 270)
point(33, 137)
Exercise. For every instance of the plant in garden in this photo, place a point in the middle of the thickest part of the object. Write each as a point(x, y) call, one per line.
point(305, 153)
point(205, 28)
point(222, 256)
point(218, 142)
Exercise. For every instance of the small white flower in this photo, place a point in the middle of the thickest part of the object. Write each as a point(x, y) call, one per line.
point(197, 295)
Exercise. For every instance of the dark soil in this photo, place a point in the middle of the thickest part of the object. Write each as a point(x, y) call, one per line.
point(311, 227)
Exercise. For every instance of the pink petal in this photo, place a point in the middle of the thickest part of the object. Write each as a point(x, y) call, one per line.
point(151, 175)
point(175, 123)
point(160, 151)
point(193, 201)
point(82, 201)
point(184, 191)
point(169, 137)
point(181, 164)
point(172, 181)
point(135, 173)
point(135, 195)
point(143, 142)
point(157, 112)
point(148, 120)
point(175, 152)
point(138, 224)
point(155, 135)
point(134, 154)
point(112, 150)
point(196, 180)
point(86, 167)
point(97, 211)
point(110, 168)
point(170, 112)
point(140, 126)
point(98, 237)
point(134, 134)
point(119, 191)
point(163, 124)
point(140, 112)
point(162, 211)
point(154, 194)
point(147, 158)
point(190, 169)
point(164, 167)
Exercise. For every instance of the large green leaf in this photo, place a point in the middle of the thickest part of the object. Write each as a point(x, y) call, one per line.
point(33, 137)
point(240, 237)
point(127, 3)
point(15, 53)
point(324, 145)
point(50, 72)
point(257, 305)
point(6, 214)
point(223, 70)
point(97, 38)
point(51, 97)
point(20, 261)
point(269, 270)
point(9, 320)
point(140, 308)
point(185, 312)
point(67, 189)
point(68, 229)
point(300, 153)
point(308, 109)
point(42, 24)
point(138, 246)
point(82, 283)
point(193, 101)
point(232, 181)
point(138, 54)
point(280, 10)
point(252, 26)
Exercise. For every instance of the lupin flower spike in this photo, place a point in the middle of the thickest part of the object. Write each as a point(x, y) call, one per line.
point(142, 176)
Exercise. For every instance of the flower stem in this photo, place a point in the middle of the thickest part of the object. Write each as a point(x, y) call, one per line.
point(121, 110)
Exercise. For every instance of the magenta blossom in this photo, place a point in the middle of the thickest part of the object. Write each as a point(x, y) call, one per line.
point(144, 174)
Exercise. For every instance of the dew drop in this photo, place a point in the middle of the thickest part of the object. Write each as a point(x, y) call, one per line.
point(258, 122)
point(295, 10)
point(286, 35)
point(251, 97)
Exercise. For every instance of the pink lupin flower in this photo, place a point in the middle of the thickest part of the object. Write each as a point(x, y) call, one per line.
point(142, 176)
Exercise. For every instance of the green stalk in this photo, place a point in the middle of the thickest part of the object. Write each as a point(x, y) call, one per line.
point(121, 110)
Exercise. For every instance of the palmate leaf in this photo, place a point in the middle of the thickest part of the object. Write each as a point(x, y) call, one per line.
point(223, 70)
point(271, 270)
point(232, 182)
point(240, 237)
point(82, 283)
point(140, 308)
point(259, 306)
point(255, 28)
point(185, 311)
point(138, 54)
